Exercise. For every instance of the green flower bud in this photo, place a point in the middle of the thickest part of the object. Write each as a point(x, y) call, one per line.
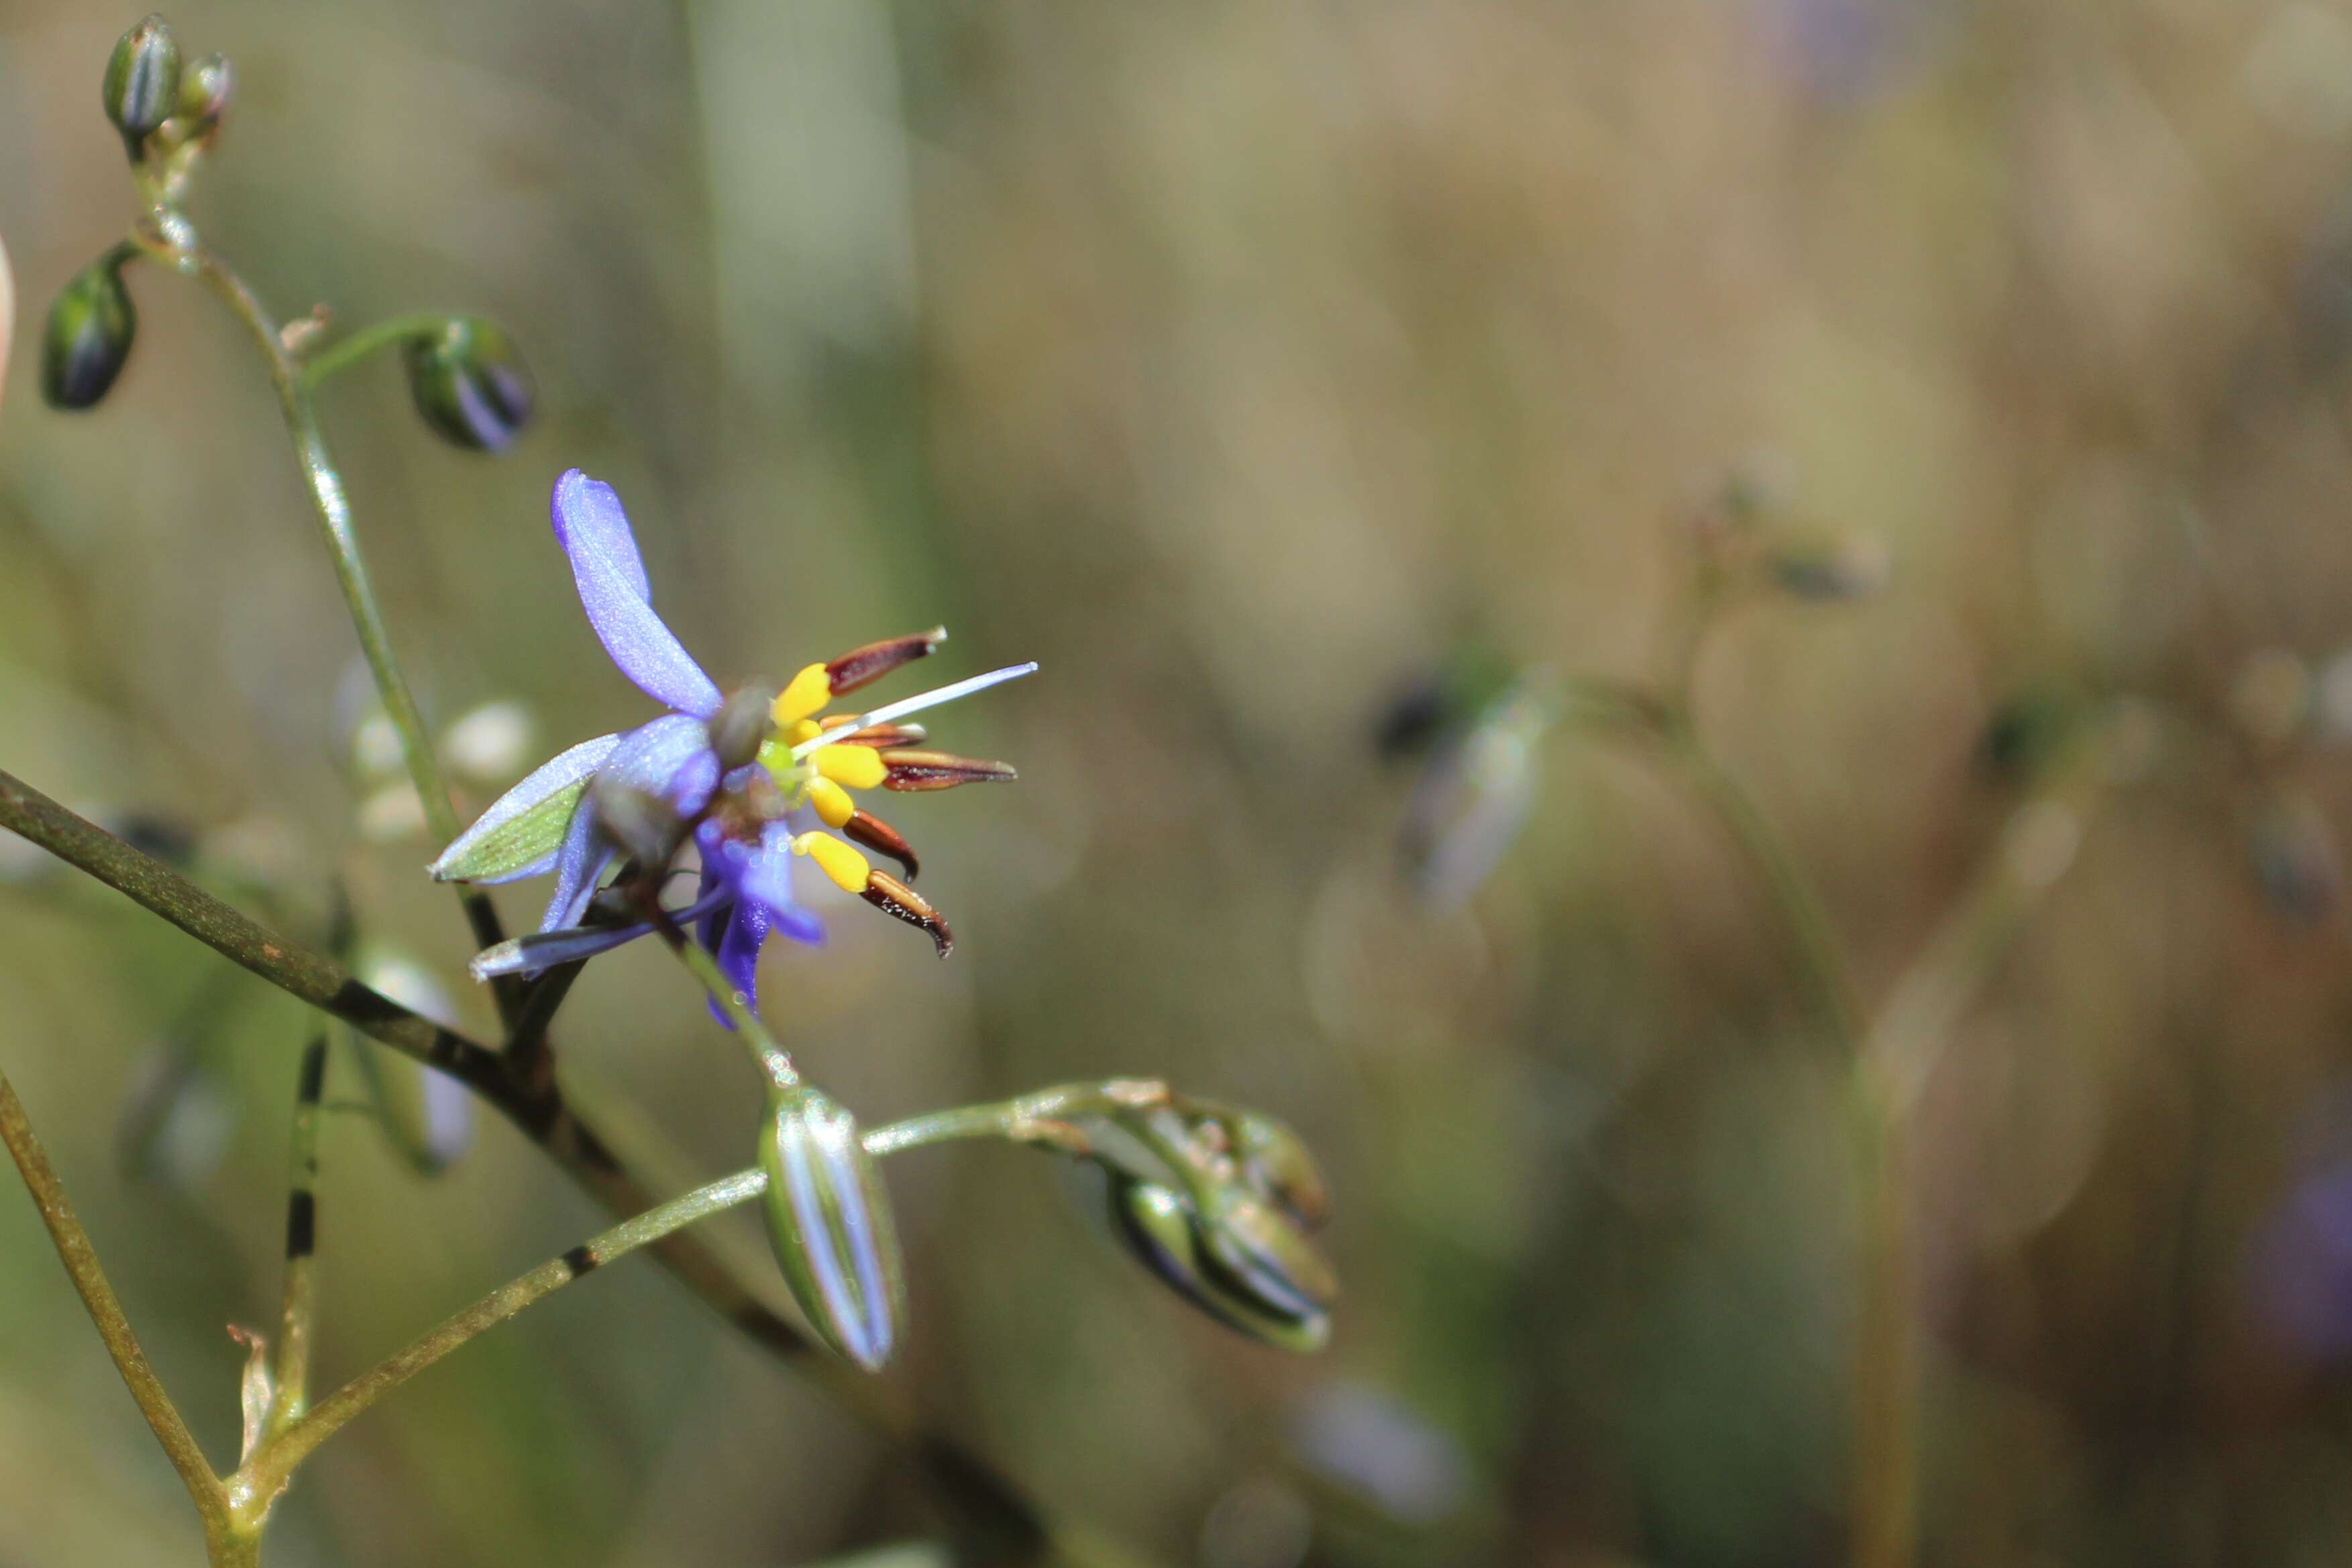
point(829, 1220)
point(1279, 1168)
point(90, 329)
point(143, 81)
point(206, 89)
point(1167, 1234)
point(470, 384)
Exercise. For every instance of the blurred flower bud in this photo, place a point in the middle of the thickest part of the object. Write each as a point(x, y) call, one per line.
point(1852, 567)
point(427, 1116)
point(470, 384)
point(91, 330)
point(2026, 732)
point(1277, 1165)
point(143, 81)
point(829, 1221)
point(2271, 695)
point(206, 89)
point(1473, 796)
point(2295, 860)
point(489, 743)
point(1240, 1271)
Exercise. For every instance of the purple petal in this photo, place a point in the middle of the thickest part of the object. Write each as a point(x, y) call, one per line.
point(738, 956)
point(767, 880)
point(611, 577)
point(579, 865)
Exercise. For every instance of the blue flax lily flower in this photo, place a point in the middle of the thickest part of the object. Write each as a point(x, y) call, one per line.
point(756, 781)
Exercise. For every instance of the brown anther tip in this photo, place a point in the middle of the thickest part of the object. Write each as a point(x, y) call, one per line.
point(876, 834)
point(863, 667)
point(895, 899)
point(915, 771)
point(878, 736)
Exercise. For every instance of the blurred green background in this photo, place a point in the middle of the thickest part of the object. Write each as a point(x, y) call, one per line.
point(1237, 361)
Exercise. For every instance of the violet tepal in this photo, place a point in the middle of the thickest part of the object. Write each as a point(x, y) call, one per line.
point(755, 780)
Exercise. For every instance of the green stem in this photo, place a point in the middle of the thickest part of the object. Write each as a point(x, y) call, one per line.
point(321, 365)
point(986, 1504)
point(299, 1304)
point(325, 485)
point(774, 1062)
point(253, 1487)
point(1812, 939)
point(266, 1475)
point(105, 1309)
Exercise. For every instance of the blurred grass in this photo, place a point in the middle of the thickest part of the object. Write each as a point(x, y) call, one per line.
point(1233, 360)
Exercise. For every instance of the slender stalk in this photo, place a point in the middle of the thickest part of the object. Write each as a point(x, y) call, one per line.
point(774, 1062)
point(1812, 939)
point(325, 483)
point(322, 364)
point(259, 1482)
point(105, 1309)
point(298, 1307)
point(266, 1475)
point(981, 1501)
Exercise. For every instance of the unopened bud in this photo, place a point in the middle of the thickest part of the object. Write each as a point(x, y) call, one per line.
point(1166, 1233)
point(1279, 1168)
point(143, 81)
point(1852, 567)
point(206, 89)
point(89, 335)
point(829, 1221)
point(470, 384)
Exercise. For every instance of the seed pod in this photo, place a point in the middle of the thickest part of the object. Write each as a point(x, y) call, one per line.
point(470, 384)
point(829, 1221)
point(141, 86)
point(1167, 1234)
point(90, 330)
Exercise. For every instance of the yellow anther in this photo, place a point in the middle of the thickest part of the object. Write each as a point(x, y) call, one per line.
point(834, 805)
point(809, 690)
point(858, 767)
point(837, 860)
point(802, 730)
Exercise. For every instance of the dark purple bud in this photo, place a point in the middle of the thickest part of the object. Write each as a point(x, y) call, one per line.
point(143, 82)
point(89, 335)
point(470, 384)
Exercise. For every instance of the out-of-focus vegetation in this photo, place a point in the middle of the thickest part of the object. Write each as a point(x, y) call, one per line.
point(1241, 361)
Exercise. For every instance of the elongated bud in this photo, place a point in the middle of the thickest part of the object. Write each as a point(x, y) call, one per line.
point(470, 384)
point(90, 330)
point(864, 666)
point(143, 81)
point(916, 772)
point(829, 1221)
point(206, 89)
point(1167, 1234)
